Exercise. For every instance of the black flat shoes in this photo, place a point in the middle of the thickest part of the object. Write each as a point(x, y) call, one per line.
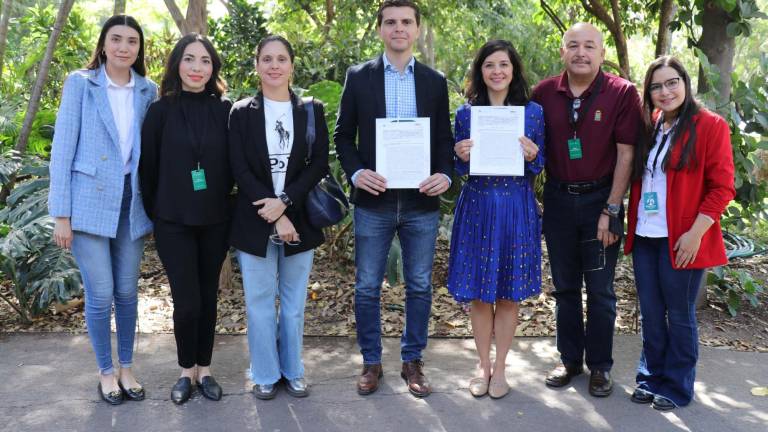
point(133, 393)
point(641, 396)
point(112, 398)
point(181, 391)
point(210, 388)
point(661, 403)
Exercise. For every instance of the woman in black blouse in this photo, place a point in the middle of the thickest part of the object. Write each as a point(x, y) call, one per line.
point(185, 181)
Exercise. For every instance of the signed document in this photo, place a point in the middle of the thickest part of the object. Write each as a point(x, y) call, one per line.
point(402, 151)
point(495, 131)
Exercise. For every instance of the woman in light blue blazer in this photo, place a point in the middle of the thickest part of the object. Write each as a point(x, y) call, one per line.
point(94, 196)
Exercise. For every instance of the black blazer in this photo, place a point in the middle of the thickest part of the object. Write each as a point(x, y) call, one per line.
point(249, 158)
point(362, 102)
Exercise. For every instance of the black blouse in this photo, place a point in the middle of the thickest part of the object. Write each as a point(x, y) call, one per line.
point(178, 134)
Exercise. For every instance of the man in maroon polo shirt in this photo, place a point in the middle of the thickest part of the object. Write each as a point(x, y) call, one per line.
point(592, 120)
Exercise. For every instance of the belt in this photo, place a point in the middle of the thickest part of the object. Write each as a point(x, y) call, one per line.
point(580, 188)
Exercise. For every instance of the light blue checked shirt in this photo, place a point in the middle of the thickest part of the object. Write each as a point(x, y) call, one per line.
point(399, 90)
point(399, 94)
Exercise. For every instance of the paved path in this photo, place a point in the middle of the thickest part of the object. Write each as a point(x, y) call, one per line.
point(48, 383)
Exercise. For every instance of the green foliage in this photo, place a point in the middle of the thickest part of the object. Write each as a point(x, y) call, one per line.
point(40, 272)
point(741, 12)
point(733, 287)
point(235, 37)
point(157, 49)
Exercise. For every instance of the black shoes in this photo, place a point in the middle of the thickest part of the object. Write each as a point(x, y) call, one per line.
point(562, 374)
point(181, 391)
point(134, 394)
point(112, 398)
point(264, 391)
point(600, 383)
point(641, 396)
point(660, 403)
point(210, 388)
point(297, 387)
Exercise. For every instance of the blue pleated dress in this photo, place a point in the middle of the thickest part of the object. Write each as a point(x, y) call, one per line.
point(496, 236)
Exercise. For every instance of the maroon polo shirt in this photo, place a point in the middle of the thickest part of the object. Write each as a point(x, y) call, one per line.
point(613, 117)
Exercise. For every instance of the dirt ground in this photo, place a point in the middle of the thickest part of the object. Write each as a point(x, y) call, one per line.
point(330, 301)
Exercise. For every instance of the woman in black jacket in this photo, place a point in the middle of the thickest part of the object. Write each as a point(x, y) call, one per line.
point(270, 230)
point(185, 180)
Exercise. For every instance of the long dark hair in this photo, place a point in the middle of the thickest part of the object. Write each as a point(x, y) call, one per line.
point(99, 57)
point(688, 109)
point(477, 92)
point(274, 38)
point(171, 82)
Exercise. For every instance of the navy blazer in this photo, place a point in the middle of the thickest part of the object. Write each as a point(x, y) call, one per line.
point(86, 168)
point(363, 101)
point(249, 159)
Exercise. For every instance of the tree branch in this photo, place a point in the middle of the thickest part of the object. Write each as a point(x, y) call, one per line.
point(666, 13)
point(306, 7)
point(227, 5)
point(552, 16)
point(176, 15)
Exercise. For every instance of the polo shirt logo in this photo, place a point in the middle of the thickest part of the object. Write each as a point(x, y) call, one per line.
point(598, 115)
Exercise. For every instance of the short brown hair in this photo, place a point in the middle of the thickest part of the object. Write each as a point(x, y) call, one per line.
point(397, 3)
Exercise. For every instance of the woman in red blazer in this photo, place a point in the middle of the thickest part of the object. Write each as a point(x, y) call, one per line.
point(683, 179)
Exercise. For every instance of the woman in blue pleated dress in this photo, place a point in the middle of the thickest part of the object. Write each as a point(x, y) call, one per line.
point(495, 259)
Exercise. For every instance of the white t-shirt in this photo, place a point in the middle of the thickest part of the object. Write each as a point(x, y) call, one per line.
point(279, 130)
point(121, 104)
point(654, 224)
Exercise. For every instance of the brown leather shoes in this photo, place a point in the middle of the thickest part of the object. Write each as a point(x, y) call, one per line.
point(562, 374)
point(418, 384)
point(368, 381)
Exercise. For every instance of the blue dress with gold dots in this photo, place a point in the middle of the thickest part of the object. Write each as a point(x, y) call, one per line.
point(496, 236)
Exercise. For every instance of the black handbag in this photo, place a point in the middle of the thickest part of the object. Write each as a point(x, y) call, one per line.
point(326, 204)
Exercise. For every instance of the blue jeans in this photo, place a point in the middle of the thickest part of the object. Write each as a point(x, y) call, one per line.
point(576, 258)
point(263, 280)
point(374, 231)
point(667, 297)
point(110, 271)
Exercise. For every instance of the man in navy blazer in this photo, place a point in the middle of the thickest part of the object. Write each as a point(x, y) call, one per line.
point(393, 85)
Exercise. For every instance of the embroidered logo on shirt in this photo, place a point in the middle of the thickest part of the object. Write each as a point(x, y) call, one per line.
point(598, 115)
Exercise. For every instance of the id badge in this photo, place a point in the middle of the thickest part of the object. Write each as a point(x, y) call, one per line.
point(650, 202)
point(574, 148)
point(198, 179)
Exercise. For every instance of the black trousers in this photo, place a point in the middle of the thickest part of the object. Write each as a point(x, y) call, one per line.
point(192, 257)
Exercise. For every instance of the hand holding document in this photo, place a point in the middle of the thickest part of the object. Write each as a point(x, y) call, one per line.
point(403, 151)
point(496, 132)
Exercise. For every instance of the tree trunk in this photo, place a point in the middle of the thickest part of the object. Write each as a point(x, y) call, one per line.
point(613, 22)
point(119, 7)
point(719, 49)
point(6, 17)
point(196, 19)
point(42, 75)
point(426, 45)
point(664, 36)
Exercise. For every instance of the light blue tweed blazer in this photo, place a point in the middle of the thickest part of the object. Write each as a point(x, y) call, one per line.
point(86, 165)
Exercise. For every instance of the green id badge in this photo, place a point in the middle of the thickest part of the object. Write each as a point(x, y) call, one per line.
point(574, 148)
point(198, 180)
point(650, 202)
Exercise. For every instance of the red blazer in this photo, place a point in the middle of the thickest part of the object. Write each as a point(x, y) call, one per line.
point(706, 187)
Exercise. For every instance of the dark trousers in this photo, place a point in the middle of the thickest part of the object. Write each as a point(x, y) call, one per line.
point(576, 258)
point(668, 308)
point(192, 257)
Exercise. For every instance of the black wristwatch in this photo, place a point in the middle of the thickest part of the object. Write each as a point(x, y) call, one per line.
point(284, 198)
point(612, 209)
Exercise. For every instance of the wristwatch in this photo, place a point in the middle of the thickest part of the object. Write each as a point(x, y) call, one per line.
point(284, 198)
point(612, 209)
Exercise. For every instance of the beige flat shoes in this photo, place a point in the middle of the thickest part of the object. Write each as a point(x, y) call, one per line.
point(498, 387)
point(478, 386)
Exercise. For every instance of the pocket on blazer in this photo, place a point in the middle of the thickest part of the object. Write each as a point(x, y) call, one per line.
point(84, 168)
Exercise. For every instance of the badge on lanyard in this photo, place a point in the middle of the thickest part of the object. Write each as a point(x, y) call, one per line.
point(198, 179)
point(650, 202)
point(574, 148)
